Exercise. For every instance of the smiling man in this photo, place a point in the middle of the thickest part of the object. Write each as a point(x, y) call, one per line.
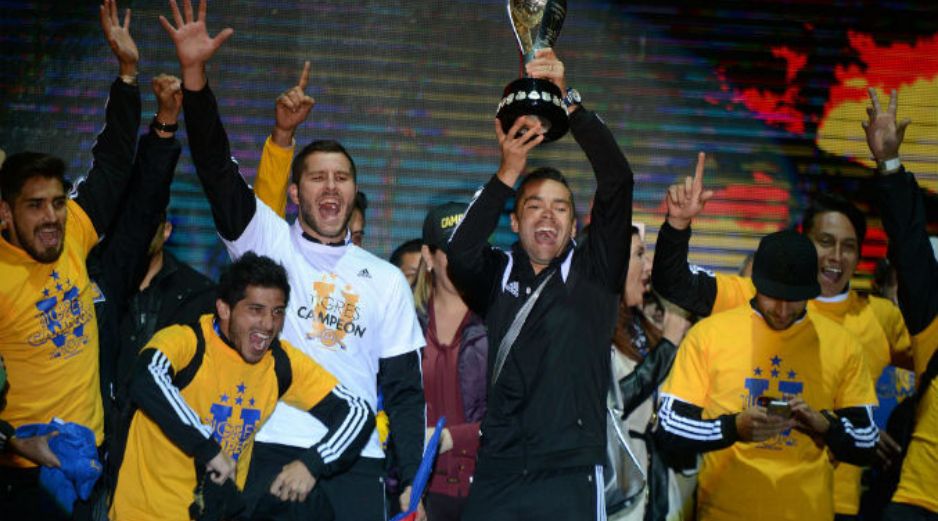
point(205, 389)
point(770, 461)
point(836, 229)
point(543, 434)
point(353, 313)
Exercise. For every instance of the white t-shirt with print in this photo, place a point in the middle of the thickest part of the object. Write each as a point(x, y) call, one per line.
point(347, 309)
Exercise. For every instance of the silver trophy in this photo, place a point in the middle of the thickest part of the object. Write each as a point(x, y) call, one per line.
point(537, 25)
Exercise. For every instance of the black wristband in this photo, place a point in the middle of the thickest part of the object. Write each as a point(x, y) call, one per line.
point(156, 124)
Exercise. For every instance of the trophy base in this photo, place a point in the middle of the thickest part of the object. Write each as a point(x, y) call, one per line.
point(537, 98)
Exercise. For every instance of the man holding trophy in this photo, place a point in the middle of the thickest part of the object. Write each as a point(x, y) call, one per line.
point(550, 307)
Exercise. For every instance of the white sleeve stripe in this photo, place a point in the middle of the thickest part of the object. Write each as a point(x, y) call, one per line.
point(174, 394)
point(158, 369)
point(866, 437)
point(475, 196)
point(677, 425)
point(690, 422)
point(704, 424)
point(351, 426)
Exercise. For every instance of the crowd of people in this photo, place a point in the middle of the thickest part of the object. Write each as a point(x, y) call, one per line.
point(305, 383)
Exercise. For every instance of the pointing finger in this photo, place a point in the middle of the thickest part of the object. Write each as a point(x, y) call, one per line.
point(304, 77)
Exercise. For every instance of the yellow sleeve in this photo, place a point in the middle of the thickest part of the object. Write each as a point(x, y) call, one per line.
point(856, 389)
point(273, 176)
point(310, 384)
point(732, 291)
point(900, 342)
point(924, 345)
point(689, 379)
point(177, 343)
point(79, 226)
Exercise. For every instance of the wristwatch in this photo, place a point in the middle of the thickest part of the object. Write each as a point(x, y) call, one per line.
point(889, 166)
point(572, 98)
point(156, 124)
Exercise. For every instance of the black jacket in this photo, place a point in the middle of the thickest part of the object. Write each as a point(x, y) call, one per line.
point(178, 294)
point(548, 408)
point(120, 261)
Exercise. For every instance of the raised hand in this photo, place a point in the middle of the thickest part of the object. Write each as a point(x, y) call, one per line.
point(293, 483)
point(883, 134)
point(686, 200)
point(293, 107)
point(547, 66)
point(118, 37)
point(194, 47)
point(168, 91)
point(515, 146)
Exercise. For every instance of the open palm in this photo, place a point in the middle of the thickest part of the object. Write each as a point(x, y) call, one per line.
point(118, 35)
point(193, 44)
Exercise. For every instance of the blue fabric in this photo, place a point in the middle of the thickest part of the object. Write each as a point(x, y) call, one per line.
point(78, 455)
point(423, 473)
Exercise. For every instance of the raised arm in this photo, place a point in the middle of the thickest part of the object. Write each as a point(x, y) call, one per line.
point(610, 224)
point(100, 192)
point(474, 265)
point(902, 210)
point(232, 201)
point(273, 173)
point(124, 256)
point(672, 276)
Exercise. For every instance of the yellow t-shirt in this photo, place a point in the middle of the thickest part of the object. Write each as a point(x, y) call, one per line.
point(919, 480)
point(881, 331)
point(233, 397)
point(273, 176)
point(730, 359)
point(49, 335)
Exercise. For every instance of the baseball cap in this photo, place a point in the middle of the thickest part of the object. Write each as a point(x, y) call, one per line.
point(440, 222)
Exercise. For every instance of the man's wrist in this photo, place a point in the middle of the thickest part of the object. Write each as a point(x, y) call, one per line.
point(889, 166)
point(193, 77)
point(678, 223)
point(128, 73)
point(283, 138)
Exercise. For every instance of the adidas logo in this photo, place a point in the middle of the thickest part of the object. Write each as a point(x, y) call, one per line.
point(512, 287)
point(364, 273)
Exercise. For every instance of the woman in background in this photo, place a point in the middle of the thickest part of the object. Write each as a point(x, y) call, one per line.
point(642, 355)
point(454, 367)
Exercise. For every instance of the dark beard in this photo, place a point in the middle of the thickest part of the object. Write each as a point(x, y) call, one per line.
point(47, 256)
point(307, 214)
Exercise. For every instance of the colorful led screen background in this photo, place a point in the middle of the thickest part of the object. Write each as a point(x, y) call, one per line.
point(772, 91)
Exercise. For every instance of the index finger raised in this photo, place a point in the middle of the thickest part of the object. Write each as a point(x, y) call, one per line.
point(304, 76)
point(699, 172)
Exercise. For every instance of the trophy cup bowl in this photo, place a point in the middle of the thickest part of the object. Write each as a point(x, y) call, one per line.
point(536, 24)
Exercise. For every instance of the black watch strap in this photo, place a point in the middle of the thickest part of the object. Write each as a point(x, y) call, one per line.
point(156, 124)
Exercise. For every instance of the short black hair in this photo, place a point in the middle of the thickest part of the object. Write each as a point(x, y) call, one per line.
point(824, 203)
point(23, 166)
point(411, 246)
point(322, 145)
point(541, 174)
point(251, 269)
point(361, 202)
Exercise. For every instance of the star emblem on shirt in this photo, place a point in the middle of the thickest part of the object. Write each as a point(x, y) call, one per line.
point(776, 361)
point(792, 374)
point(757, 371)
point(241, 388)
point(774, 373)
point(54, 275)
point(239, 400)
point(224, 398)
point(251, 402)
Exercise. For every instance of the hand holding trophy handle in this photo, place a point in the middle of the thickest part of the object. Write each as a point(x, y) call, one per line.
point(536, 25)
